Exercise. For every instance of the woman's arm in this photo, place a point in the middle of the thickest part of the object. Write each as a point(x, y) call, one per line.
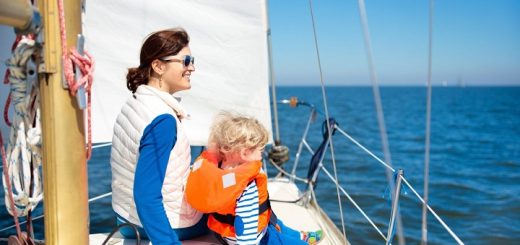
point(157, 141)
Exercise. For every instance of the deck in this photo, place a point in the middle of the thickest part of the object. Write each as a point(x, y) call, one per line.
point(283, 195)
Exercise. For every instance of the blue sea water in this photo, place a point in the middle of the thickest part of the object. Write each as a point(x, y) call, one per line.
point(474, 166)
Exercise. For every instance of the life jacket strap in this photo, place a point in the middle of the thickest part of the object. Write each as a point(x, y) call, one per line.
point(230, 219)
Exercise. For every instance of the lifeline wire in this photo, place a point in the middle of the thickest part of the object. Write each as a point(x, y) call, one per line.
point(379, 108)
point(324, 96)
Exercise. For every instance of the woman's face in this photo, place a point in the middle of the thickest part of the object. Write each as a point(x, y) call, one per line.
point(176, 76)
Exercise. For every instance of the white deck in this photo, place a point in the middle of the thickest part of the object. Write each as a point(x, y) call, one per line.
point(308, 218)
point(97, 239)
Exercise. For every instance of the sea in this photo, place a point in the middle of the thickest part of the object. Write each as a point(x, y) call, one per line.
point(474, 175)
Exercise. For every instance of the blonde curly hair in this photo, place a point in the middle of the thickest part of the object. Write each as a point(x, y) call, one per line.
point(232, 132)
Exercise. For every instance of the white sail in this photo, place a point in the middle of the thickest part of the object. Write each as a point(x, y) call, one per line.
point(227, 38)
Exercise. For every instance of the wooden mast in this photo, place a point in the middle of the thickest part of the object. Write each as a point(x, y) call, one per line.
point(64, 156)
point(15, 13)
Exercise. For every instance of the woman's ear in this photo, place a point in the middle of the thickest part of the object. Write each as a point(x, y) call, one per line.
point(158, 67)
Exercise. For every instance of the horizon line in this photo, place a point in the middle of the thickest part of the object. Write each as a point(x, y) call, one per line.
point(397, 85)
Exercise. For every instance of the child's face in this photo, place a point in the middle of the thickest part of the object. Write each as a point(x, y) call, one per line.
point(254, 154)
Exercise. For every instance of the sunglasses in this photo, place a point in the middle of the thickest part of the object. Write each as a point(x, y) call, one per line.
point(186, 60)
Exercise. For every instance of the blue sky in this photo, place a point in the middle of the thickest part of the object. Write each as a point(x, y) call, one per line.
point(474, 41)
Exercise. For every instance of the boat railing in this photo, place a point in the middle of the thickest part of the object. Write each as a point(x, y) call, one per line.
point(89, 200)
point(41, 216)
point(310, 182)
point(399, 180)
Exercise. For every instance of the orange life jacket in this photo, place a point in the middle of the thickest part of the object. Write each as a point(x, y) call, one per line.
point(210, 189)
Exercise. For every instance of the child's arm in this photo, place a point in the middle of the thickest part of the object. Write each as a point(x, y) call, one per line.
point(246, 216)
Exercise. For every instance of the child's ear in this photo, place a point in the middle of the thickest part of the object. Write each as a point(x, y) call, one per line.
point(244, 153)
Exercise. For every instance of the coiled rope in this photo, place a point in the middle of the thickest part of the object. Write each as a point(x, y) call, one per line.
point(6, 81)
point(24, 146)
point(22, 159)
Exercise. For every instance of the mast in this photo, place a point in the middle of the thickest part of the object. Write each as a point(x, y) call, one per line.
point(276, 136)
point(16, 13)
point(64, 156)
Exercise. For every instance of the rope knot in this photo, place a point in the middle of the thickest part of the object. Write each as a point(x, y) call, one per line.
point(86, 66)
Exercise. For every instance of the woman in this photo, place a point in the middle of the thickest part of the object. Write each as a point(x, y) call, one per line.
point(150, 152)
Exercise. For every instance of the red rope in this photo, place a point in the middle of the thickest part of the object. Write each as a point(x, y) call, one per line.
point(10, 191)
point(6, 81)
point(86, 66)
point(6, 110)
point(8, 100)
point(2, 149)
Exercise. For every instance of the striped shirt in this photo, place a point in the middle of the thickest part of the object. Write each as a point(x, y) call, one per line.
point(246, 218)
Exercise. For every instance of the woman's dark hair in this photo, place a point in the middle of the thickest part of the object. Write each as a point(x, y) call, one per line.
point(157, 45)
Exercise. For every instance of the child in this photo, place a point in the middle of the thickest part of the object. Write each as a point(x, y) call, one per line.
point(227, 182)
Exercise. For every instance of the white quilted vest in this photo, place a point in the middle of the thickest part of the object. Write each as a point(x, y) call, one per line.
point(135, 115)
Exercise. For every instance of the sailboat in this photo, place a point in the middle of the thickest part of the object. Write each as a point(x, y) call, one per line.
point(231, 41)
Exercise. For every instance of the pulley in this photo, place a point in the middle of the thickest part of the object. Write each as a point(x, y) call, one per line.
point(279, 154)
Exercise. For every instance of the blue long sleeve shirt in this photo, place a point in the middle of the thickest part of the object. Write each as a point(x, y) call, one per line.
point(158, 140)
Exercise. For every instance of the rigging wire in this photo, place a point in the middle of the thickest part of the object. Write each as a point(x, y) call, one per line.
point(302, 143)
point(285, 173)
point(332, 179)
point(446, 227)
point(424, 226)
point(434, 213)
point(353, 202)
point(315, 203)
point(324, 97)
point(379, 108)
point(272, 78)
point(41, 216)
point(101, 145)
point(407, 184)
point(365, 149)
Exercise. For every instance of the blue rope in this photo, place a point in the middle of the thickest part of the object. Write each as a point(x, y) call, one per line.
point(387, 195)
point(318, 154)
